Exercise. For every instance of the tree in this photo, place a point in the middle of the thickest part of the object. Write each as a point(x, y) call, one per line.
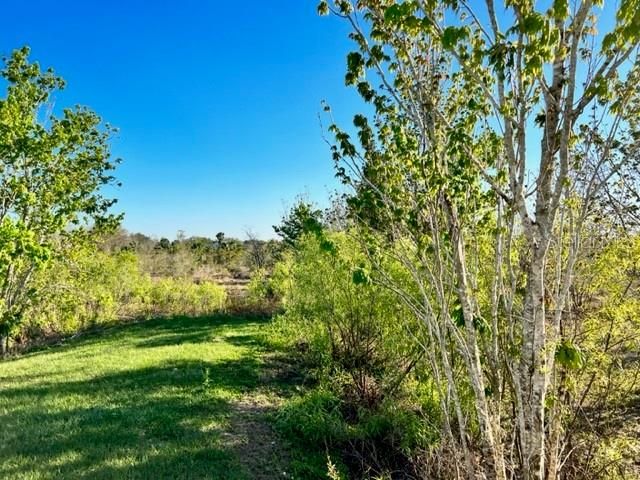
point(163, 244)
point(447, 174)
point(220, 239)
point(51, 173)
point(302, 218)
point(257, 253)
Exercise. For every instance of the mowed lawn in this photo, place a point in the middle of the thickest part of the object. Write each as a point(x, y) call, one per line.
point(151, 400)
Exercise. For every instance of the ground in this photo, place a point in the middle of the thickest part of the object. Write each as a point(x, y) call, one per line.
point(179, 398)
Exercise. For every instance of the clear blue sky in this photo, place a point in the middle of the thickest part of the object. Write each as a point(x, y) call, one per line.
point(216, 101)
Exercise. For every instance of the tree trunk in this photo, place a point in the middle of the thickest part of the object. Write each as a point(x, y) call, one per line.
point(555, 432)
point(489, 423)
point(533, 369)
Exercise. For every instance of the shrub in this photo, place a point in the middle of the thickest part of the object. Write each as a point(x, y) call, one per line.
point(314, 418)
point(262, 297)
point(172, 296)
point(90, 287)
point(352, 335)
point(354, 330)
point(86, 288)
point(378, 440)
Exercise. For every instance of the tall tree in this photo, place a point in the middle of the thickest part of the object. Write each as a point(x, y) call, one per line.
point(302, 218)
point(493, 137)
point(52, 169)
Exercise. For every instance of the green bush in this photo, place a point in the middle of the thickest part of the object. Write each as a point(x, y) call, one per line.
point(171, 296)
point(352, 335)
point(91, 287)
point(312, 419)
point(353, 330)
point(315, 428)
point(396, 426)
point(86, 288)
point(262, 296)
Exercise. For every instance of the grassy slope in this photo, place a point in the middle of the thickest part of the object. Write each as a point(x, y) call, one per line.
point(168, 398)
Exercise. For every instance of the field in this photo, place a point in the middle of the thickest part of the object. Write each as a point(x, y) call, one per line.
point(168, 398)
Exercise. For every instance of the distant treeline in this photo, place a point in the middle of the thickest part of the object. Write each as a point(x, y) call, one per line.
point(197, 257)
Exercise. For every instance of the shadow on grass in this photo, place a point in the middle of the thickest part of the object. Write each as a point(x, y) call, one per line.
point(161, 331)
point(160, 421)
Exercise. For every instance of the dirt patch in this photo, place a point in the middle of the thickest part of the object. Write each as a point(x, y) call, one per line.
point(250, 433)
point(252, 438)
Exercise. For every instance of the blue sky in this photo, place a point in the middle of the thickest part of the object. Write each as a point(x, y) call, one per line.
point(216, 102)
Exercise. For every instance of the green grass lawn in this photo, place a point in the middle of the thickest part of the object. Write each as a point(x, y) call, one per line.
point(173, 398)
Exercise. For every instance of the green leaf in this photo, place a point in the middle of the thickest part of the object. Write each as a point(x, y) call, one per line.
point(569, 355)
point(560, 9)
point(360, 276)
point(323, 8)
point(458, 316)
point(532, 23)
point(452, 35)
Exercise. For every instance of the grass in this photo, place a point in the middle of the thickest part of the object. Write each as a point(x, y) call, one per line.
point(179, 398)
